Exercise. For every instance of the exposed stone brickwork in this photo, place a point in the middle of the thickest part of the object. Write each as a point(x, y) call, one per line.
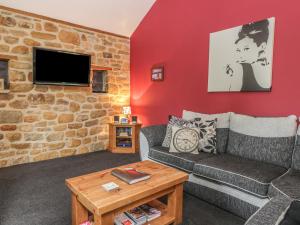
point(44, 122)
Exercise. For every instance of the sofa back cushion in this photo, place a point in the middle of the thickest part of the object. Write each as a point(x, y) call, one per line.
point(222, 126)
point(265, 139)
point(296, 156)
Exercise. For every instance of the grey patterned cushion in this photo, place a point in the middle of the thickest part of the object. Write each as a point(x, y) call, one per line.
point(277, 151)
point(269, 140)
point(288, 184)
point(222, 126)
point(296, 156)
point(244, 174)
point(222, 139)
point(183, 161)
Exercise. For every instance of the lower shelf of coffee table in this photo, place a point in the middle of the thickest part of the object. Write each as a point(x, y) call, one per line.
point(164, 219)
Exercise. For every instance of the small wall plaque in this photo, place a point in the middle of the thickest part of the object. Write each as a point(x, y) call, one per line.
point(157, 73)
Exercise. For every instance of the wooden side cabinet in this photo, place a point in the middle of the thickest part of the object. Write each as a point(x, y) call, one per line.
point(124, 138)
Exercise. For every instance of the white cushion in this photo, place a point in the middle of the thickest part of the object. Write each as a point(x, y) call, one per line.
point(264, 126)
point(222, 118)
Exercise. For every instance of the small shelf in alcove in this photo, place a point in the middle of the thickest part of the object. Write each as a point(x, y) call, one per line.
point(99, 79)
point(4, 73)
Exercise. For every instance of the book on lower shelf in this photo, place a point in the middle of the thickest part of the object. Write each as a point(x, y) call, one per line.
point(151, 212)
point(123, 219)
point(138, 216)
point(124, 144)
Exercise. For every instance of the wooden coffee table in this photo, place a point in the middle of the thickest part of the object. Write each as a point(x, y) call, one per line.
point(89, 197)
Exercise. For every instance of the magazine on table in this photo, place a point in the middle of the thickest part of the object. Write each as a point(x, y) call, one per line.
point(130, 175)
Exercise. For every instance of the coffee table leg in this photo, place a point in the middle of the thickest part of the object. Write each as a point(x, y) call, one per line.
point(79, 213)
point(107, 219)
point(175, 202)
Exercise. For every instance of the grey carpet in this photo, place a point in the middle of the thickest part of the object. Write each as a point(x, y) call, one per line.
point(35, 194)
point(197, 212)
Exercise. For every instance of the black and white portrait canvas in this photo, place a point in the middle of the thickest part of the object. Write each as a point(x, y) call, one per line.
point(240, 58)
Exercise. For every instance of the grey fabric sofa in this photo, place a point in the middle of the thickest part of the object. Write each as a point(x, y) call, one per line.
point(284, 191)
point(256, 172)
point(289, 183)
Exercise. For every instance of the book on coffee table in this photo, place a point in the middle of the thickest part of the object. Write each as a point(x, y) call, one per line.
point(130, 175)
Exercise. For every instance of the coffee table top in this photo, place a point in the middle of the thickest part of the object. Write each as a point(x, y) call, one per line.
point(90, 193)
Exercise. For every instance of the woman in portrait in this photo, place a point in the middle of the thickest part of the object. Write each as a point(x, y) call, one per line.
point(250, 58)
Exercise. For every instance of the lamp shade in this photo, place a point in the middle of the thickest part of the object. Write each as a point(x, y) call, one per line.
point(126, 110)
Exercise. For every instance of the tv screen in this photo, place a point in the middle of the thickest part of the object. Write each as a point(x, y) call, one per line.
point(60, 68)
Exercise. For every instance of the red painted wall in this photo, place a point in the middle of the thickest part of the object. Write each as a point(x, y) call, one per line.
point(176, 33)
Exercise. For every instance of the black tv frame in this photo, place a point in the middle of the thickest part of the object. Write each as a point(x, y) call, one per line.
point(34, 49)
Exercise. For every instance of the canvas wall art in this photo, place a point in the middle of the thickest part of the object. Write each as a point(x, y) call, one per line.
point(240, 58)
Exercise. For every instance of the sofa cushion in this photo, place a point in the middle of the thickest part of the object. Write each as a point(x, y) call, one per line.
point(296, 156)
point(179, 122)
point(269, 140)
point(184, 140)
point(287, 184)
point(222, 126)
point(184, 161)
point(245, 174)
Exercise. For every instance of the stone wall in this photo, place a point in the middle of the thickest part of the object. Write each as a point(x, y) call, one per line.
point(39, 122)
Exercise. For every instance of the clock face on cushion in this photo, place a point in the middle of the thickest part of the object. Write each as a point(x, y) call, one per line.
point(186, 140)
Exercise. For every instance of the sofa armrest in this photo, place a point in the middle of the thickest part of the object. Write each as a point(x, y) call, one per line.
point(149, 137)
point(271, 213)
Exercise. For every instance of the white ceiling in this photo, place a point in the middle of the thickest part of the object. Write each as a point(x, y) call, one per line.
point(115, 16)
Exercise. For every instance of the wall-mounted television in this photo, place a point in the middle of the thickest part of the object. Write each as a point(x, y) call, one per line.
point(60, 67)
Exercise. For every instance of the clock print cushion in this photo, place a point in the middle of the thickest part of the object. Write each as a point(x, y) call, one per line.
point(185, 140)
point(222, 129)
point(179, 122)
point(207, 137)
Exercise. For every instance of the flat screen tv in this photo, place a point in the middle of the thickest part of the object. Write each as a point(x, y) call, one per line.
point(60, 68)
